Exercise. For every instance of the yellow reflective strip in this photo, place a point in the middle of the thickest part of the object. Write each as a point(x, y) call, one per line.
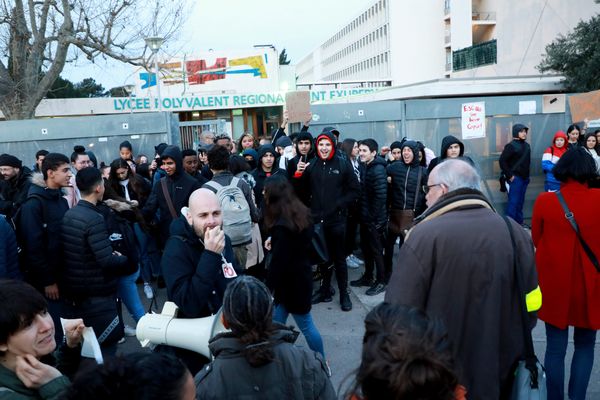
point(534, 300)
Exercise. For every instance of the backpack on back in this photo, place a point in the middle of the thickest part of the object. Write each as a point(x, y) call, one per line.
point(121, 235)
point(236, 212)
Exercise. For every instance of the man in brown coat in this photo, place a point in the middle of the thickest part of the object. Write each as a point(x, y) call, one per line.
point(457, 265)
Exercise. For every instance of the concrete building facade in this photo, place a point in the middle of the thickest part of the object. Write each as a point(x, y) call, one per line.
point(402, 42)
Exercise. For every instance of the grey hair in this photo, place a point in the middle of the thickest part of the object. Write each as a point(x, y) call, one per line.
point(456, 174)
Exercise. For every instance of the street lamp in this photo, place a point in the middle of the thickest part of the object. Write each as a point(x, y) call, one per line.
point(154, 43)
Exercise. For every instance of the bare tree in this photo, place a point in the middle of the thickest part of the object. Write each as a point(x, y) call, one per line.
point(37, 38)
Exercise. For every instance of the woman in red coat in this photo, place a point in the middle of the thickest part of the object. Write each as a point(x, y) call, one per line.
point(569, 281)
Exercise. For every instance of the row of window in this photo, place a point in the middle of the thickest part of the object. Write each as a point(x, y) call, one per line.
point(361, 19)
point(365, 40)
point(359, 67)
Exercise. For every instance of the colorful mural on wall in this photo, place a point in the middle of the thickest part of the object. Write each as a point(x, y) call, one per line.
point(214, 69)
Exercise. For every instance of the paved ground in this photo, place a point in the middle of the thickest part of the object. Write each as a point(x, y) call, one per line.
point(342, 335)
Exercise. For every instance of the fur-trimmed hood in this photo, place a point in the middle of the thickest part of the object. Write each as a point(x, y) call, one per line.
point(120, 206)
point(37, 179)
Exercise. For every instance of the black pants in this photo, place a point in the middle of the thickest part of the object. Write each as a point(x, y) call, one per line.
point(351, 227)
point(388, 257)
point(334, 236)
point(372, 241)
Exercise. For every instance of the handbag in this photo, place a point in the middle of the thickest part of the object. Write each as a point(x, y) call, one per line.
point(530, 376)
point(571, 218)
point(318, 245)
point(402, 220)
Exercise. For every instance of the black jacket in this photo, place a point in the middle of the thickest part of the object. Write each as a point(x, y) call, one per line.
point(447, 141)
point(333, 187)
point(39, 233)
point(373, 198)
point(405, 183)
point(14, 192)
point(296, 372)
point(510, 158)
point(179, 186)
point(194, 276)
point(290, 274)
point(90, 267)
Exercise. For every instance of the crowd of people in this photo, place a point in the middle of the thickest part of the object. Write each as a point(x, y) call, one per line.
point(248, 226)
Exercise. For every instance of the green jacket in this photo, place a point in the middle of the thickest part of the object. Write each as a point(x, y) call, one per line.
point(64, 359)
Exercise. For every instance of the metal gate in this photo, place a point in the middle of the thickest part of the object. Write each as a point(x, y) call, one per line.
point(189, 131)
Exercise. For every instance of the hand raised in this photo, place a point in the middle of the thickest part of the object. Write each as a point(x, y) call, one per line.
point(214, 239)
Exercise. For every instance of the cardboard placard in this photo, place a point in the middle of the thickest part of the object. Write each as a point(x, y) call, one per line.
point(297, 105)
point(585, 105)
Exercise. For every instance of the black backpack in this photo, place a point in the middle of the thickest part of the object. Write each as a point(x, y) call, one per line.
point(21, 236)
point(121, 235)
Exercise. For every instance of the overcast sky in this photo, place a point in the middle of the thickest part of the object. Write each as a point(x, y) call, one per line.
point(299, 26)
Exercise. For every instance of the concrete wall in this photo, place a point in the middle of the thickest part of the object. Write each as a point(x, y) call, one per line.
point(417, 41)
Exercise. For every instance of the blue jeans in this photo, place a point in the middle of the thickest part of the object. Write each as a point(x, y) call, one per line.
point(127, 291)
point(581, 366)
point(306, 325)
point(516, 198)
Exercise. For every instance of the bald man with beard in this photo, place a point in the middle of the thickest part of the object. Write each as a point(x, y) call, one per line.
point(198, 264)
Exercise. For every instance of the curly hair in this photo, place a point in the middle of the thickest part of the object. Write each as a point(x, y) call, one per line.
point(406, 355)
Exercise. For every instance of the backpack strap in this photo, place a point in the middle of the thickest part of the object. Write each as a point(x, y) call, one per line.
point(234, 182)
point(163, 184)
point(571, 218)
point(214, 186)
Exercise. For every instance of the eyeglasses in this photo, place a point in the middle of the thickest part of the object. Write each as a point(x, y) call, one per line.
point(427, 188)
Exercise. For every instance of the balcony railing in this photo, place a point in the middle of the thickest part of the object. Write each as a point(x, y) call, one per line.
point(448, 67)
point(475, 56)
point(483, 16)
point(447, 38)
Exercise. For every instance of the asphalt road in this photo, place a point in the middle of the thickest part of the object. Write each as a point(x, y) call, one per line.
point(342, 334)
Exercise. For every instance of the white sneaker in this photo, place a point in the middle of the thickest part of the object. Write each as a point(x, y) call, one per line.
point(356, 260)
point(351, 263)
point(122, 340)
point(129, 331)
point(148, 291)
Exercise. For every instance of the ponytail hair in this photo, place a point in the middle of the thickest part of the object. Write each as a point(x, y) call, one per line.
point(406, 355)
point(248, 312)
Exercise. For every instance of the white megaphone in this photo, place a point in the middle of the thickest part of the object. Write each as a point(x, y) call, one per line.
point(166, 328)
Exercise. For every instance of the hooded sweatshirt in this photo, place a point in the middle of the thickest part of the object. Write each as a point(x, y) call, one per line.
point(332, 184)
point(513, 152)
point(551, 156)
point(180, 186)
point(261, 175)
point(405, 186)
point(448, 141)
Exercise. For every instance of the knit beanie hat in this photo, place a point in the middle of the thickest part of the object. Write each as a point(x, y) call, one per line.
point(6, 160)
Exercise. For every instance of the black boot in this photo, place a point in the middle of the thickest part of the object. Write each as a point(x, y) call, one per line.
point(362, 281)
point(323, 295)
point(345, 301)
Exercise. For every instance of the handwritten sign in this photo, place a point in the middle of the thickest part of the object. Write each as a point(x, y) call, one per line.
point(473, 120)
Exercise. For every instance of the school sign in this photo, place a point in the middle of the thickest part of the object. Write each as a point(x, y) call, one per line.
point(227, 101)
